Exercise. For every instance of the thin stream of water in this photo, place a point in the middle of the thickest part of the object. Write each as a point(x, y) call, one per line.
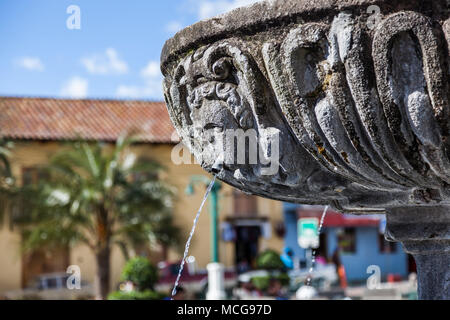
point(188, 243)
point(313, 259)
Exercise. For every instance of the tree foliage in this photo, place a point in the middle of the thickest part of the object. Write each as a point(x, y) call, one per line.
point(141, 273)
point(269, 260)
point(6, 178)
point(97, 195)
point(89, 191)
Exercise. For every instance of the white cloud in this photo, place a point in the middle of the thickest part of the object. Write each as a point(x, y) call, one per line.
point(125, 91)
point(152, 70)
point(75, 88)
point(150, 89)
point(174, 26)
point(105, 63)
point(30, 63)
point(209, 8)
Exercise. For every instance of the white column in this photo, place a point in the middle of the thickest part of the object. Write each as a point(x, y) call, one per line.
point(216, 282)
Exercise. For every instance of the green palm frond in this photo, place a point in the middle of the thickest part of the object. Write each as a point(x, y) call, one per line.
point(6, 178)
point(93, 193)
point(5, 154)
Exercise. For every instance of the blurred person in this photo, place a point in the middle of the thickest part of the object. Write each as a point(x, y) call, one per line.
point(321, 261)
point(245, 290)
point(340, 269)
point(243, 267)
point(275, 289)
point(288, 258)
point(241, 291)
point(255, 292)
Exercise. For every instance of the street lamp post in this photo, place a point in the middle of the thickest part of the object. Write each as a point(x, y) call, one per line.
point(214, 216)
point(214, 212)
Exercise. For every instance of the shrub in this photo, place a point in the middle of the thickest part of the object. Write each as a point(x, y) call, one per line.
point(141, 272)
point(269, 260)
point(284, 279)
point(261, 283)
point(136, 295)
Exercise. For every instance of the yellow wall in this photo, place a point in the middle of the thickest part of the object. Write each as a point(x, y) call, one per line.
point(31, 154)
point(10, 260)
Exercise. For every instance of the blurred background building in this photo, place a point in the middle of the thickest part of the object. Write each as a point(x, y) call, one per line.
point(39, 128)
point(360, 241)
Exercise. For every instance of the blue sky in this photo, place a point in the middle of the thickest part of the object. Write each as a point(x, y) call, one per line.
point(114, 54)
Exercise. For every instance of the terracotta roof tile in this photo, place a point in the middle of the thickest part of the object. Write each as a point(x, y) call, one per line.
point(104, 120)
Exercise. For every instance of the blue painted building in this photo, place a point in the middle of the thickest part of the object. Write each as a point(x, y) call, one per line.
point(360, 239)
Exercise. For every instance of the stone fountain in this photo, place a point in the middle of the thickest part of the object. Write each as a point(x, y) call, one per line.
point(356, 93)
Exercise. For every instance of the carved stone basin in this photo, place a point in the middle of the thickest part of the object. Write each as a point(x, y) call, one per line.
point(350, 99)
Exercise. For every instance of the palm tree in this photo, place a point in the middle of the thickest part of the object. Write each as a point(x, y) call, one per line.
point(6, 179)
point(100, 197)
point(5, 147)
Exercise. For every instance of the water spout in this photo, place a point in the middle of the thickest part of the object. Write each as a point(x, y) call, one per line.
point(313, 256)
point(191, 235)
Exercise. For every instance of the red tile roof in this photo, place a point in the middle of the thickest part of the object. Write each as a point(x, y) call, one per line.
point(335, 219)
point(104, 120)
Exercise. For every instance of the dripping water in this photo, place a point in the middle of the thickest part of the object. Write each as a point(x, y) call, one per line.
point(188, 243)
point(314, 253)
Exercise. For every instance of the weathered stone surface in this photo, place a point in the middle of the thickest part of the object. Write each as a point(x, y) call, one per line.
point(360, 101)
point(359, 96)
point(425, 233)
